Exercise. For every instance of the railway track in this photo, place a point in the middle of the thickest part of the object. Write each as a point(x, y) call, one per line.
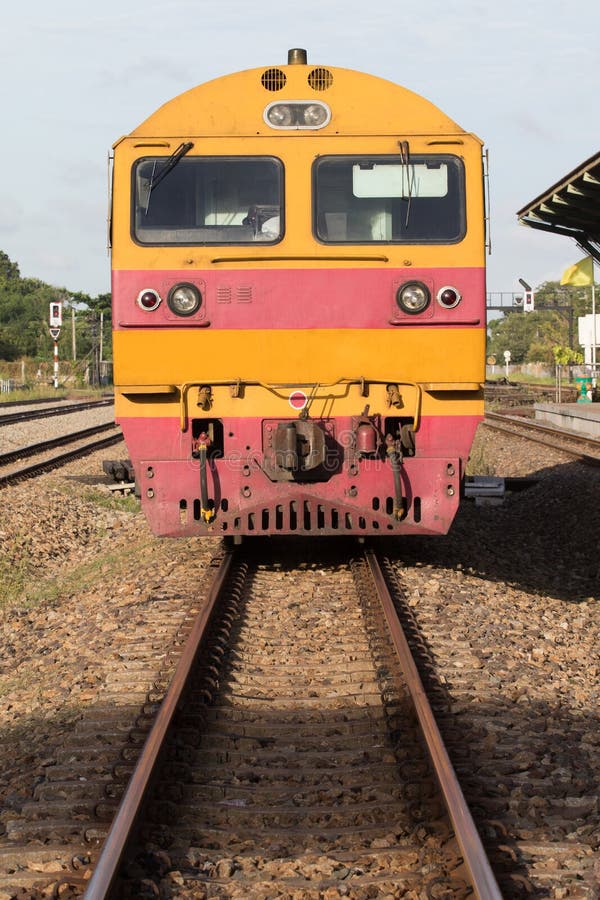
point(293, 766)
point(506, 393)
point(580, 446)
point(64, 409)
point(295, 763)
point(12, 471)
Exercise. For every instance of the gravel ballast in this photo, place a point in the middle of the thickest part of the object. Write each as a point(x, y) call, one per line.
point(79, 568)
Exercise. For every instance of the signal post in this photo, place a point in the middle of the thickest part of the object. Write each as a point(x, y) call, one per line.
point(55, 326)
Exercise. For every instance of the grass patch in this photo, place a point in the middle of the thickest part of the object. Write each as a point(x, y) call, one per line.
point(479, 463)
point(14, 576)
point(29, 593)
point(34, 394)
point(524, 378)
point(22, 586)
point(44, 392)
point(112, 500)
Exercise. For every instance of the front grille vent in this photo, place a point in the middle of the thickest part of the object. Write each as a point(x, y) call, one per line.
point(303, 517)
point(273, 79)
point(320, 79)
point(244, 293)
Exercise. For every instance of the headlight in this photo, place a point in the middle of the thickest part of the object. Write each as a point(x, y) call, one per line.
point(184, 299)
point(299, 114)
point(413, 297)
point(315, 115)
point(280, 116)
point(148, 299)
point(448, 297)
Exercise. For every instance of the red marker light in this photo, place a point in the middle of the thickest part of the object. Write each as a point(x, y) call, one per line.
point(148, 299)
point(448, 297)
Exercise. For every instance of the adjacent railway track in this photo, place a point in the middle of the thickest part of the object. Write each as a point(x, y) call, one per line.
point(285, 753)
point(11, 469)
point(39, 401)
point(580, 446)
point(523, 394)
point(64, 409)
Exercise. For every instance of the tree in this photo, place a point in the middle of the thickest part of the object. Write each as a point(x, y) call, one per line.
point(9, 271)
point(24, 305)
point(532, 336)
point(562, 297)
point(564, 356)
point(514, 332)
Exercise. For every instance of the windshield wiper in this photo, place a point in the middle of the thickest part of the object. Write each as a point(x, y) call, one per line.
point(405, 161)
point(169, 165)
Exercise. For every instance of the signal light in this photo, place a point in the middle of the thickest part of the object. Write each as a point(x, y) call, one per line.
point(55, 315)
point(448, 297)
point(148, 299)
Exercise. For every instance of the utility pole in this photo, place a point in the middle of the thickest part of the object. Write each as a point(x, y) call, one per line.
point(95, 372)
point(101, 336)
point(73, 337)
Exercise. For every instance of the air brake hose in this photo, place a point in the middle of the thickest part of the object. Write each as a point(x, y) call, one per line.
point(205, 507)
point(396, 462)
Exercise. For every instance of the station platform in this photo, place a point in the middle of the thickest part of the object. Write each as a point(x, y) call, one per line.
point(583, 418)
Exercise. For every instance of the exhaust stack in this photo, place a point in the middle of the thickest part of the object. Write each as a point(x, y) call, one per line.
point(297, 57)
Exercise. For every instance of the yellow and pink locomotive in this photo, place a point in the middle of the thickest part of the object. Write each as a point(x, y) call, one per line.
point(298, 306)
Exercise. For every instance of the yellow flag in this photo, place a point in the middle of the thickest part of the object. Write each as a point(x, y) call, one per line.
point(579, 274)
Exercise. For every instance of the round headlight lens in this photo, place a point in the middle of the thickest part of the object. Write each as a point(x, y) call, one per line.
point(148, 299)
point(448, 297)
point(280, 115)
point(315, 115)
point(413, 297)
point(184, 299)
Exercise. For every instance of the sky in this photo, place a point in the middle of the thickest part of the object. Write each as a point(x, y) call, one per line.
point(75, 76)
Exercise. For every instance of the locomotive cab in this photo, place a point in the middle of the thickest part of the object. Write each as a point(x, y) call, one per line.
point(298, 305)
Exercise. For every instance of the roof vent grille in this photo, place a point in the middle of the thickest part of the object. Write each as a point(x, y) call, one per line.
point(320, 79)
point(273, 79)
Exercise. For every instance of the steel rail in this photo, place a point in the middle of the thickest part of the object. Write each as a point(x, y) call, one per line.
point(106, 869)
point(55, 461)
point(475, 858)
point(6, 404)
point(12, 418)
point(42, 446)
point(546, 435)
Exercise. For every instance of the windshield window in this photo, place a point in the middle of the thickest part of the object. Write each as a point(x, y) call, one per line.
point(208, 200)
point(381, 199)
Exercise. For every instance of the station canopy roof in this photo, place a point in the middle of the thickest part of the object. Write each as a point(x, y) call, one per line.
point(570, 207)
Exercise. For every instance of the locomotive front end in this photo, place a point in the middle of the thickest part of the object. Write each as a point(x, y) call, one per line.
point(299, 306)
